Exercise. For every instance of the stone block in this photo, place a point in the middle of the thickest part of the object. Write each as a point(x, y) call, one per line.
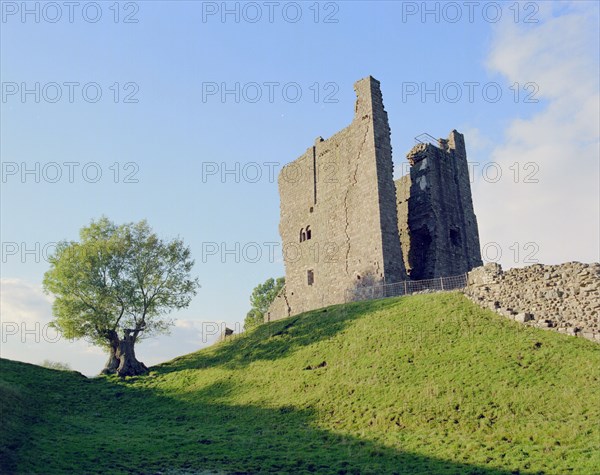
point(523, 317)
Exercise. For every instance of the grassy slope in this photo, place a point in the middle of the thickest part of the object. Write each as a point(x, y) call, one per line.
point(424, 384)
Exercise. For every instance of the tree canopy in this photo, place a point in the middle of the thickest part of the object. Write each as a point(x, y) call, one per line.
point(261, 298)
point(116, 285)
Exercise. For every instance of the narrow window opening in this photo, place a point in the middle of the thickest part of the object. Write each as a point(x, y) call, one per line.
point(308, 233)
point(310, 275)
point(455, 237)
point(302, 235)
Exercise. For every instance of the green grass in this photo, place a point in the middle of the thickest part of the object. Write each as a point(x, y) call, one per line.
point(425, 384)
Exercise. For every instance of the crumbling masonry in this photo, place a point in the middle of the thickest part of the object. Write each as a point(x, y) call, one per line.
point(345, 223)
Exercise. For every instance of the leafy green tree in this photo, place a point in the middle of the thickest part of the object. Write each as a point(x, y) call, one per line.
point(253, 319)
point(115, 286)
point(56, 365)
point(260, 300)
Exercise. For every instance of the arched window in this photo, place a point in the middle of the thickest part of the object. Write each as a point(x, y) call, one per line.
point(308, 233)
point(302, 235)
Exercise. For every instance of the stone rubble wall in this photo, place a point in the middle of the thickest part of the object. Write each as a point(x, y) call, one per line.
point(564, 298)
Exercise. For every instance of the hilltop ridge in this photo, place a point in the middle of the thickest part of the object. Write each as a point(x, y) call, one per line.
point(421, 384)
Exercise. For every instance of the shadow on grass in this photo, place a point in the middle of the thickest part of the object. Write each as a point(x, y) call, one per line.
point(277, 339)
point(108, 426)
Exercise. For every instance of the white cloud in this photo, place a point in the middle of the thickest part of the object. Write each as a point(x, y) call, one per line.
point(22, 302)
point(560, 213)
point(477, 141)
point(25, 312)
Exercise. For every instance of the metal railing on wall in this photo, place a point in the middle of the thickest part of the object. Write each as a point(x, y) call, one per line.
point(406, 287)
point(427, 138)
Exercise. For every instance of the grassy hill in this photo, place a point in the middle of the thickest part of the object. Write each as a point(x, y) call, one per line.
point(425, 384)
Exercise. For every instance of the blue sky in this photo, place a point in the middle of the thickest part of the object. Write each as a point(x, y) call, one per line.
point(174, 132)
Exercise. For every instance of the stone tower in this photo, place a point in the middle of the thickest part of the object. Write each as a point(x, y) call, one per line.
point(345, 224)
point(438, 227)
point(339, 225)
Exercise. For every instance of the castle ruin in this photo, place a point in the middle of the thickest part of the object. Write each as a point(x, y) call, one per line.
point(345, 223)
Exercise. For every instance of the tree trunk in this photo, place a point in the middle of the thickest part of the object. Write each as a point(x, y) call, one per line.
point(128, 364)
point(113, 361)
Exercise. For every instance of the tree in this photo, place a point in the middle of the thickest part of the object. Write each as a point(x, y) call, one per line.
point(253, 319)
point(56, 365)
point(260, 300)
point(115, 286)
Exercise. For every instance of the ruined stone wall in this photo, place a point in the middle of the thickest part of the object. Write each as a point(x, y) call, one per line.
point(437, 223)
point(342, 190)
point(280, 307)
point(564, 297)
point(403, 187)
